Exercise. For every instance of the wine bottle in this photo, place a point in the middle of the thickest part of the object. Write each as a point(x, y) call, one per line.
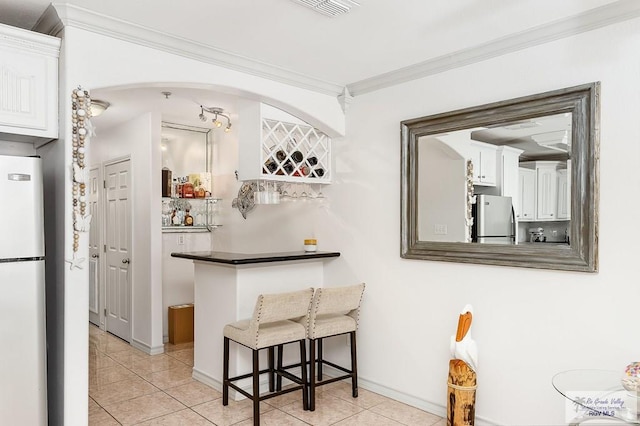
point(312, 160)
point(271, 166)
point(288, 167)
point(297, 156)
point(281, 155)
point(319, 172)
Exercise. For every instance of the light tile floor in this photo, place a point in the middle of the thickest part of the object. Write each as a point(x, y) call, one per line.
point(129, 387)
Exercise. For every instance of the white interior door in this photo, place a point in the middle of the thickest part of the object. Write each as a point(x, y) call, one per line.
point(118, 248)
point(94, 186)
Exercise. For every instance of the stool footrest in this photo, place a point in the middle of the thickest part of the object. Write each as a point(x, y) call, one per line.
point(338, 367)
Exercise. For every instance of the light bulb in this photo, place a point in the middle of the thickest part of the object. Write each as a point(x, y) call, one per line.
point(217, 123)
point(202, 117)
point(227, 129)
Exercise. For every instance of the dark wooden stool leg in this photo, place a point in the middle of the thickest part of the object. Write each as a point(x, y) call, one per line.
point(271, 368)
point(320, 359)
point(256, 389)
point(312, 374)
point(354, 365)
point(303, 374)
point(225, 373)
point(279, 367)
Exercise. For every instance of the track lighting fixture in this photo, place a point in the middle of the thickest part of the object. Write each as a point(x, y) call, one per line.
point(217, 112)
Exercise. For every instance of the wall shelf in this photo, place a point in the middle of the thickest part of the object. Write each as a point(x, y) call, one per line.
point(202, 210)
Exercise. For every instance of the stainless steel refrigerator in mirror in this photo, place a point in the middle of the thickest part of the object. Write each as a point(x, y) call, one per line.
point(493, 220)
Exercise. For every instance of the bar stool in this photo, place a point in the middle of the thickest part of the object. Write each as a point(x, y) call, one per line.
point(334, 311)
point(278, 319)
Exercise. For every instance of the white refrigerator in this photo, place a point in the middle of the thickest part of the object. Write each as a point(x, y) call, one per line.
point(23, 384)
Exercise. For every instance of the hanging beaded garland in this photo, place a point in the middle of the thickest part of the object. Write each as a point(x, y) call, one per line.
point(81, 131)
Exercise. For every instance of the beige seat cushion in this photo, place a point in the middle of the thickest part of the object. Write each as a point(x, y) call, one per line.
point(271, 334)
point(331, 324)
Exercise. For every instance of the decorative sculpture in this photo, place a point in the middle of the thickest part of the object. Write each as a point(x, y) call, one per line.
point(462, 373)
point(81, 131)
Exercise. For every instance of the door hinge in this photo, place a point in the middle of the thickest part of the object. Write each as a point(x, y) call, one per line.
point(105, 312)
point(104, 184)
point(104, 248)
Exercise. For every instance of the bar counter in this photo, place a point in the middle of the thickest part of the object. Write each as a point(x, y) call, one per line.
point(226, 287)
point(247, 259)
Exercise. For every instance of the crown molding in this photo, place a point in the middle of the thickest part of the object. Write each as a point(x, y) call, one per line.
point(29, 41)
point(612, 13)
point(60, 15)
point(77, 17)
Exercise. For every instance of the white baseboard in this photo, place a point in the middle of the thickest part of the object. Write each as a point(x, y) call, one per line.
point(157, 350)
point(422, 404)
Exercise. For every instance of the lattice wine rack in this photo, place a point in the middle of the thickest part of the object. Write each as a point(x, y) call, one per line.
point(295, 152)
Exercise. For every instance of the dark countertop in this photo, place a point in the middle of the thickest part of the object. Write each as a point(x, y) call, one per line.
point(247, 259)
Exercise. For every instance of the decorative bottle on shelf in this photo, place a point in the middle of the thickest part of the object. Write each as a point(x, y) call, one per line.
point(178, 193)
point(188, 219)
point(166, 182)
point(175, 219)
point(187, 190)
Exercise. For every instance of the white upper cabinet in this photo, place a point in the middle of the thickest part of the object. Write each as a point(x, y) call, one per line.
point(526, 207)
point(547, 189)
point(483, 156)
point(28, 85)
point(552, 190)
point(508, 176)
point(275, 145)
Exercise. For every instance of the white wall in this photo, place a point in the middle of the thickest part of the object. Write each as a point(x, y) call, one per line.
point(16, 148)
point(139, 139)
point(177, 274)
point(442, 176)
point(96, 61)
point(529, 324)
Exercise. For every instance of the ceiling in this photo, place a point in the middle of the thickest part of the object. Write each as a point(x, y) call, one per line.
point(375, 38)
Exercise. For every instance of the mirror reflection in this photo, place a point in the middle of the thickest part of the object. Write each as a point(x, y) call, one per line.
point(501, 184)
point(513, 183)
point(185, 149)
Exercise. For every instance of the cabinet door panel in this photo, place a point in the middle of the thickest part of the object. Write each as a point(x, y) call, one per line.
point(527, 201)
point(547, 193)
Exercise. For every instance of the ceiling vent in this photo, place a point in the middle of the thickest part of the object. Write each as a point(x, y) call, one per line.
point(329, 7)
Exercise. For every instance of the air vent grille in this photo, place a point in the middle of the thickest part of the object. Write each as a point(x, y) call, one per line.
point(329, 7)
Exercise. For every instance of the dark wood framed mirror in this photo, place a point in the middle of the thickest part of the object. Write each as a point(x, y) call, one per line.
point(538, 153)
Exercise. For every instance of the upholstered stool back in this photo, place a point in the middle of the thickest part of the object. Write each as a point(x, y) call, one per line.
point(335, 310)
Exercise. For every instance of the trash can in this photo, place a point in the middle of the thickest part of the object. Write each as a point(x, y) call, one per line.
point(181, 323)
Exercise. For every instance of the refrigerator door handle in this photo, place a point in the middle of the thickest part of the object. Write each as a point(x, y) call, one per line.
point(514, 224)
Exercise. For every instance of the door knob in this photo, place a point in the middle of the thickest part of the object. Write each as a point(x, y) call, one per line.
point(95, 255)
point(125, 260)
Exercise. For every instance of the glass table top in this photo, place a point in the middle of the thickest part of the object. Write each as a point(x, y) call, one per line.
point(597, 394)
